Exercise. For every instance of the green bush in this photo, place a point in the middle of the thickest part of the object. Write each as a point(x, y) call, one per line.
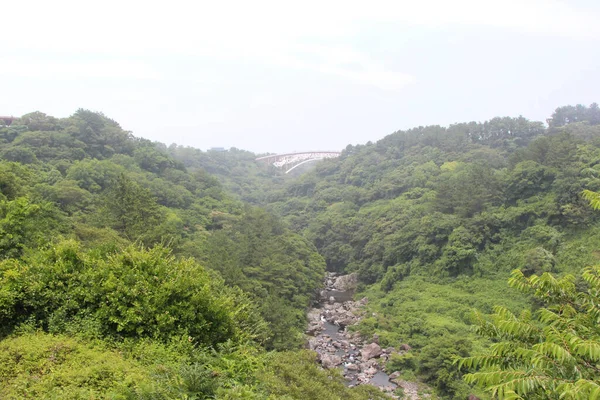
point(43, 366)
point(133, 293)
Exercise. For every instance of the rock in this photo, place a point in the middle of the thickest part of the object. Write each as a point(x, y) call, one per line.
point(394, 375)
point(390, 350)
point(313, 344)
point(411, 389)
point(472, 397)
point(352, 367)
point(313, 329)
point(405, 347)
point(370, 351)
point(375, 338)
point(344, 322)
point(371, 371)
point(330, 361)
point(346, 282)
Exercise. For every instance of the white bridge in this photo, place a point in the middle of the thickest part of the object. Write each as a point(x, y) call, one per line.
point(290, 161)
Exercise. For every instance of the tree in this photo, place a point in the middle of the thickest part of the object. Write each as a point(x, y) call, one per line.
point(132, 208)
point(551, 354)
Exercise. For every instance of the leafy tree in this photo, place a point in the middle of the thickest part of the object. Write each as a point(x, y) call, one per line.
point(551, 354)
point(24, 224)
point(132, 209)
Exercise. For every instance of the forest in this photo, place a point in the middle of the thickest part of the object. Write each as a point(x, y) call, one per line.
point(131, 269)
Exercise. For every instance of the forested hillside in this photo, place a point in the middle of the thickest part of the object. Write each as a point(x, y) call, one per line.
point(123, 275)
point(129, 269)
point(434, 219)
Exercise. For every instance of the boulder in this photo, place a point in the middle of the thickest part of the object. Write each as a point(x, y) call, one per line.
point(352, 367)
point(330, 360)
point(344, 321)
point(312, 344)
point(370, 351)
point(313, 329)
point(394, 375)
point(346, 282)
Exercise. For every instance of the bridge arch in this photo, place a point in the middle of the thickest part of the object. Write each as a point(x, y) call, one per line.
point(289, 161)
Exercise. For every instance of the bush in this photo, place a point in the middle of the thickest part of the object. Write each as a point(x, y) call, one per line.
point(134, 293)
point(43, 366)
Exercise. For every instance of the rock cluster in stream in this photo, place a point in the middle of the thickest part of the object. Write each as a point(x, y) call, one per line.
point(338, 348)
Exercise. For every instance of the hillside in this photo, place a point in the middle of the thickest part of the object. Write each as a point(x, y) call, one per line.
point(135, 270)
point(434, 219)
point(137, 278)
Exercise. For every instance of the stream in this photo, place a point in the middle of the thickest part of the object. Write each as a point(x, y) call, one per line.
point(361, 361)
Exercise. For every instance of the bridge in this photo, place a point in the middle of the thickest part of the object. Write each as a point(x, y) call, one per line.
point(291, 161)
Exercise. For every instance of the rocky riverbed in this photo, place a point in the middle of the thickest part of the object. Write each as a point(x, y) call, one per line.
point(362, 361)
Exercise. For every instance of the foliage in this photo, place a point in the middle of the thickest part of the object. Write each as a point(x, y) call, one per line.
point(133, 293)
point(295, 375)
point(550, 354)
point(43, 366)
point(105, 236)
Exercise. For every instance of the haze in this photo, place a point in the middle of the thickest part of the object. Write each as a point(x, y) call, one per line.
point(271, 76)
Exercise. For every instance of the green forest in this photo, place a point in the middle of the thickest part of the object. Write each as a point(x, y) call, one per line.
point(131, 269)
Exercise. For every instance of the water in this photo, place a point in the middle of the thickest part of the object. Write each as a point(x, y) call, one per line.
point(382, 379)
point(331, 329)
point(340, 297)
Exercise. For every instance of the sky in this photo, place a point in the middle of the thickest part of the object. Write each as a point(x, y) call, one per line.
point(281, 76)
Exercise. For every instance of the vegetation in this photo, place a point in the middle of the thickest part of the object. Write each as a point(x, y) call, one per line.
point(553, 353)
point(434, 220)
point(129, 269)
point(123, 275)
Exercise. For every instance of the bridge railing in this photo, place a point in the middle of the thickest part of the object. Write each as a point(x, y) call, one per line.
point(296, 159)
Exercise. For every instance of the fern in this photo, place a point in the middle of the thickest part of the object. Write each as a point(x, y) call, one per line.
point(551, 354)
point(593, 198)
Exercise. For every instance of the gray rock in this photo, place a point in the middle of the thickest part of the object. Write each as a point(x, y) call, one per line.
point(344, 321)
point(346, 282)
point(313, 344)
point(370, 351)
point(313, 329)
point(394, 375)
point(330, 361)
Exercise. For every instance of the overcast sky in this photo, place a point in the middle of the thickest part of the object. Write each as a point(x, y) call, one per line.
point(280, 76)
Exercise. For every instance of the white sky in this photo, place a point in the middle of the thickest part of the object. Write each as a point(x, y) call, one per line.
point(282, 76)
